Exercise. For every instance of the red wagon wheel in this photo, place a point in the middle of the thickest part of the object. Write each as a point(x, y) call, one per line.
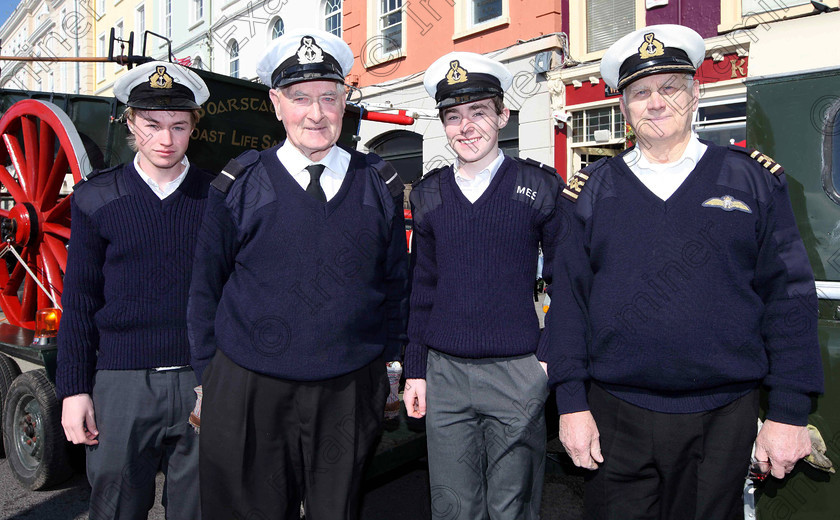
point(40, 147)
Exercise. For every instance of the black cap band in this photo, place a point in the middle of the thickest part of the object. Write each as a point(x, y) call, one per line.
point(478, 86)
point(290, 71)
point(671, 60)
point(176, 97)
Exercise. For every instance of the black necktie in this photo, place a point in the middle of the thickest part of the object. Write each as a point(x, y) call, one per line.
point(314, 188)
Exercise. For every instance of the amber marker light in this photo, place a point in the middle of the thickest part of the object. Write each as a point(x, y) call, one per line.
point(46, 325)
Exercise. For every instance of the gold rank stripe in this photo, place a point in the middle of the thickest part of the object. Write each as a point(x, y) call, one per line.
point(575, 185)
point(774, 167)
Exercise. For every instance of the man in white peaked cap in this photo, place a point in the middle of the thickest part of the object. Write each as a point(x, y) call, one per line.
point(472, 363)
point(298, 300)
point(685, 287)
point(124, 370)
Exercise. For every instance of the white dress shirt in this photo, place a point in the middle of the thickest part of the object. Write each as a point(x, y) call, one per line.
point(663, 179)
point(473, 188)
point(335, 162)
point(169, 189)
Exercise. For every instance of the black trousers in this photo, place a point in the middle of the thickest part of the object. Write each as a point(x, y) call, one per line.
point(267, 443)
point(660, 466)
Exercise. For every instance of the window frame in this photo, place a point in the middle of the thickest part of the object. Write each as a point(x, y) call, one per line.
point(271, 26)
point(140, 22)
point(577, 39)
point(101, 50)
point(233, 59)
point(831, 141)
point(464, 25)
point(339, 13)
point(373, 53)
point(166, 13)
point(196, 11)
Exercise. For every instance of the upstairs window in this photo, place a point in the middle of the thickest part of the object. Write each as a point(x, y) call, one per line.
point(332, 17)
point(233, 54)
point(391, 25)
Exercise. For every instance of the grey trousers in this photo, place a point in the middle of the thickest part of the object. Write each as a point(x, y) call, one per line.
point(486, 435)
point(142, 420)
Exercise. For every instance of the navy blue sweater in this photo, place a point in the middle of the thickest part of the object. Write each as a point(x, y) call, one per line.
point(294, 288)
point(684, 305)
point(475, 264)
point(127, 278)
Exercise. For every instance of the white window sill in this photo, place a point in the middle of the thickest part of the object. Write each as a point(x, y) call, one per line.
point(490, 24)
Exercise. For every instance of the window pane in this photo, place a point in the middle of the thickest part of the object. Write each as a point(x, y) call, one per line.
point(577, 127)
point(277, 29)
point(332, 17)
point(484, 10)
point(607, 21)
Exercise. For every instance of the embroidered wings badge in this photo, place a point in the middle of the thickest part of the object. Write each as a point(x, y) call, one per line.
point(727, 203)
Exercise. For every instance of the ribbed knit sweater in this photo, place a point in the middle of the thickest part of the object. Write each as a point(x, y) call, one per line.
point(127, 278)
point(475, 263)
point(294, 288)
point(684, 305)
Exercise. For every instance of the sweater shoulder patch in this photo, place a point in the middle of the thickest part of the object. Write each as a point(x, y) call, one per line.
point(428, 175)
point(536, 185)
point(100, 188)
point(764, 160)
point(233, 169)
point(388, 174)
point(425, 194)
point(541, 166)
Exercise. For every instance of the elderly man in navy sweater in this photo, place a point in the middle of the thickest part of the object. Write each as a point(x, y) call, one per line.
point(123, 355)
point(299, 298)
point(470, 364)
point(682, 287)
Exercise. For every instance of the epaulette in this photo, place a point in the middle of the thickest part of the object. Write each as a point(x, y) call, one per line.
point(428, 174)
point(388, 174)
point(578, 180)
point(771, 165)
point(233, 169)
point(95, 173)
point(531, 162)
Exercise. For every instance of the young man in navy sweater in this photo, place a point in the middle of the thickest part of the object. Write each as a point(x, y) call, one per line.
point(682, 287)
point(298, 300)
point(471, 365)
point(123, 354)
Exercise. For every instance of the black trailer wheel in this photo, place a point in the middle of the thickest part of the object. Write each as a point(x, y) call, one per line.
point(9, 370)
point(36, 447)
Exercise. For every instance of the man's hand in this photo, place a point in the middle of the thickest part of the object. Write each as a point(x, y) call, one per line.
point(581, 439)
point(544, 366)
point(77, 420)
point(195, 415)
point(783, 445)
point(414, 397)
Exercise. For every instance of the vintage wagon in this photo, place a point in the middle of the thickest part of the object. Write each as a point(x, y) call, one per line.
point(50, 142)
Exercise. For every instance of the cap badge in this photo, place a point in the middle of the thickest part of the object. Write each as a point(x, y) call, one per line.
point(160, 79)
point(456, 74)
point(651, 47)
point(727, 203)
point(309, 51)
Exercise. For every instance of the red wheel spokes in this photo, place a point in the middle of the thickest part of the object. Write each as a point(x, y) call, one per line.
point(42, 145)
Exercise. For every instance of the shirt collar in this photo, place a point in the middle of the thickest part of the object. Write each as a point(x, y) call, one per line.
point(171, 186)
point(336, 159)
point(486, 173)
point(692, 154)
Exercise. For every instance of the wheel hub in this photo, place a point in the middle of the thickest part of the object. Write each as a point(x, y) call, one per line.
point(21, 227)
